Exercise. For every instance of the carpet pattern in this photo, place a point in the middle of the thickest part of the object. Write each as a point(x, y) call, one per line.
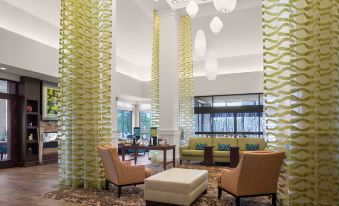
point(135, 195)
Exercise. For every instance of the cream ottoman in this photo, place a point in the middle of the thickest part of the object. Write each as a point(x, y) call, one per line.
point(175, 186)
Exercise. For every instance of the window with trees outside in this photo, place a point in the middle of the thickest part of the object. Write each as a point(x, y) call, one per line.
point(145, 123)
point(124, 121)
point(229, 115)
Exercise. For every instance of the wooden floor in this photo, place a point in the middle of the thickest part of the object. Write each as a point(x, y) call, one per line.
point(25, 186)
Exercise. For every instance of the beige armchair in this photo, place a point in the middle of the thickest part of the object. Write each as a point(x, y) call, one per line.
point(121, 173)
point(256, 175)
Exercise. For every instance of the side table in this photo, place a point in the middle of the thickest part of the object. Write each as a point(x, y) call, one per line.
point(208, 155)
point(234, 157)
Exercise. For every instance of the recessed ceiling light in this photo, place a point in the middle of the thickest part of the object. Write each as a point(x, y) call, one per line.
point(3, 68)
point(174, 1)
point(156, 0)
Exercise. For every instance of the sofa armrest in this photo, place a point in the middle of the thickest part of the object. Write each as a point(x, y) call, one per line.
point(183, 148)
point(132, 174)
point(228, 180)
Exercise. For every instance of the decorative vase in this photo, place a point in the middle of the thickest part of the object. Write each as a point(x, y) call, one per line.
point(29, 108)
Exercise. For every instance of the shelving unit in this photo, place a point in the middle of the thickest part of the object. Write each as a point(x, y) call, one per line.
point(29, 91)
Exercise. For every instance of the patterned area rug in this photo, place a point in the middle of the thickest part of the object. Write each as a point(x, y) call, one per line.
point(135, 195)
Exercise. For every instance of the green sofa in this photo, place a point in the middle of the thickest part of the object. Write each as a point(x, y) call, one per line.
point(189, 153)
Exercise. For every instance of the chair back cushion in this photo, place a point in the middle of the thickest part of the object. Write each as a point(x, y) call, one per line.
point(107, 156)
point(242, 142)
point(228, 141)
point(193, 141)
point(258, 172)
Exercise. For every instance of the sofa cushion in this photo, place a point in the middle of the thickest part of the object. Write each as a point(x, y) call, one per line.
point(193, 152)
point(200, 146)
point(231, 141)
point(221, 153)
point(243, 141)
point(223, 147)
point(252, 147)
point(193, 141)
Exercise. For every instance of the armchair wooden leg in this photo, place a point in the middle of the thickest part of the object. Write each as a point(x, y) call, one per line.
point(237, 201)
point(119, 191)
point(274, 199)
point(219, 192)
point(106, 184)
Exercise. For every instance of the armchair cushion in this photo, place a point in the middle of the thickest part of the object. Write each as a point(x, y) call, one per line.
point(221, 153)
point(193, 152)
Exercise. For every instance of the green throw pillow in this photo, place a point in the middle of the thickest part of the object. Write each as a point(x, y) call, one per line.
point(252, 147)
point(200, 146)
point(224, 147)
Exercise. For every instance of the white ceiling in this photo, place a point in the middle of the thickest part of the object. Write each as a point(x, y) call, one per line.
point(239, 45)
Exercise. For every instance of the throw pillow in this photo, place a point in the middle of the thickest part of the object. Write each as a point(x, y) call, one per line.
point(252, 147)
point(224, 147)
point(200, 146)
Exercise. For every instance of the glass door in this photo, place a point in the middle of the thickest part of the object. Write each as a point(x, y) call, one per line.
point(5, 120)
point(7, 123)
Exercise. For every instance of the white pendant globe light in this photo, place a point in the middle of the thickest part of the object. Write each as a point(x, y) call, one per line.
point(192, 8)
point(216, 25)
point(225, 6)
point(200, 43)
point(211, 65)
point(232, 5)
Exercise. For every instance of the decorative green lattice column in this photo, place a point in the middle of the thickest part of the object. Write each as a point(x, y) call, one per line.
point(186, 82)
point(301, 86)
point(155, 78)
point(85, 84)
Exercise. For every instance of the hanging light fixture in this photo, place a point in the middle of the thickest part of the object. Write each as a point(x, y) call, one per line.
point(211, 65)
point(225, 6)
point(192, 8)
point(200, 43)
point(216, 25)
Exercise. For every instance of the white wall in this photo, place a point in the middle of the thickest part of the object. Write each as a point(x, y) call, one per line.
point(25, 53)
point(240, 83)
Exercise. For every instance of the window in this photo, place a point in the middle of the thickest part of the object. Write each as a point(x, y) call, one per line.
point(145, 123)
point(229, 115)
point(124, 120)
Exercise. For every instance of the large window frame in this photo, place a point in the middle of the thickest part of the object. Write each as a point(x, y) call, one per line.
point(123, 133)
point(210, 112)
point(148, 115)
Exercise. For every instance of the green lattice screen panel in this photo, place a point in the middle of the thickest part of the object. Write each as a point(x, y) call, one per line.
point(186, 82)
point(85, 84)
point(301, 87)
point(155, 72)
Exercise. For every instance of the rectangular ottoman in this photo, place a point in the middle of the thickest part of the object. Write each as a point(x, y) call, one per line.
point(175, 186)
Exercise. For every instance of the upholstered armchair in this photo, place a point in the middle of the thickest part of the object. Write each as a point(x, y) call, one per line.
point(121, 173)
point(256, 175)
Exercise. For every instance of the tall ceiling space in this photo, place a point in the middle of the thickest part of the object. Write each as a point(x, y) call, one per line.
point(36, 24)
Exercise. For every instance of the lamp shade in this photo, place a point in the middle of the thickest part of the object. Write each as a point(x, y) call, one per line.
point(192, 8)
point(211, 65)
point(225, 5)
point(200, 43)
point(216, 25)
